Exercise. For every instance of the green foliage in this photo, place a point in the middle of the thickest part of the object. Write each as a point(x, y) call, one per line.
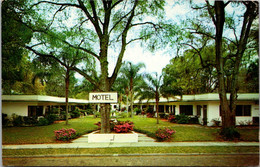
point(14, 36)
point(43, 122)
point(182, 119)
point(97, 114)
point(137, 111)
point(51, 118)
point(17, 120)
point(230, 133)
point(195, 79)
point(75, 114)
point(5, 119)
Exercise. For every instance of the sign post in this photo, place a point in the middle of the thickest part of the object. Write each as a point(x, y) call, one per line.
point(103, 97)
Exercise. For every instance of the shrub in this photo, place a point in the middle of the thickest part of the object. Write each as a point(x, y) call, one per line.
point(172, 118)
point(194, 120)
point(43, 122)
point(75, 114)
point(182, 119)
point(164, 134)
point(216, 122)
point(5, 119)
point(51, 118)
point(123, 127)
point(137, 111)
point(161, 115)
point(97, 115)
point(122, 115)
point(65, 134)
point(229, 133)
point(17, 120)
point(120, 126)
point(30, 121)
point(150, 115)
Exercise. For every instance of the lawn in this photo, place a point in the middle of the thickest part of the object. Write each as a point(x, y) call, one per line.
point(45, 134)
point(130, 150)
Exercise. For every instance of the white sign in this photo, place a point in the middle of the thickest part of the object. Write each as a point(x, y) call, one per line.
point(103, 97)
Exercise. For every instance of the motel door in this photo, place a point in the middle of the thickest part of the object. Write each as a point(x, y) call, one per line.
point(205, 115)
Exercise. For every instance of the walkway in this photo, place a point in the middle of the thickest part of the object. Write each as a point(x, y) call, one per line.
point(143, 141)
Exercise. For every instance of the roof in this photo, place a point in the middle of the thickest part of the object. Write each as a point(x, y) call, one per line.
point(41, 98)
point(204, 97)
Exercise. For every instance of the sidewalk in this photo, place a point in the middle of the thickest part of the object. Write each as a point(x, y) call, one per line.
point(143, 141)
point(139, 144)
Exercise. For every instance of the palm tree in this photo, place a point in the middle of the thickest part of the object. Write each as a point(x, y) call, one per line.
point(129, 77)
point(151, 89)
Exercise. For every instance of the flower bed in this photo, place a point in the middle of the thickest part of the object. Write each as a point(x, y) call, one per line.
point(119, 126)
point(65, 134)
point(164, 134)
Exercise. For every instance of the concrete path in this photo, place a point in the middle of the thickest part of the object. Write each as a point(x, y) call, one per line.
point(143, 141)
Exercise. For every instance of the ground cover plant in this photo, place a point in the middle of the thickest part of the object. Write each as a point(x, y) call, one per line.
point(44, 134)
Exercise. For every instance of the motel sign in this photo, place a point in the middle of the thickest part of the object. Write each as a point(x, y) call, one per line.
point(103, 97)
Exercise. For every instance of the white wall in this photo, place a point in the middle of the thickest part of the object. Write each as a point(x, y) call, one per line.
point(18, 108)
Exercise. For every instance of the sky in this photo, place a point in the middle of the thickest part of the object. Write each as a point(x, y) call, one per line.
point(156, 61)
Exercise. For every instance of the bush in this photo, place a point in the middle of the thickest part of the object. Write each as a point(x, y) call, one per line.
point(65, 134)
point(150, 115)
point(43, 122)
point(52, 117)
point(122, 115)
point(123, 127)
point(75, 114)
point(161, 115)
point(30, 121)
point(164, 134)
point(97, 115)
point(194, 120)
point(182, 119)
point(172, 118)
point(229, 133)
point(216, 122)
point(120, 126)
point(17, 120)
point(5, 120)
point(137, 111)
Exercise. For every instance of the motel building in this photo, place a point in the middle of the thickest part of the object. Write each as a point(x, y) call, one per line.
point(37, 105)
point(206, 107)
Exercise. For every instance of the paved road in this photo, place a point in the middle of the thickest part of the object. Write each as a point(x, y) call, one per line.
point(161, 160)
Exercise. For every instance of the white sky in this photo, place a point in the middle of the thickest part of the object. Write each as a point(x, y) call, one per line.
point(156, 61)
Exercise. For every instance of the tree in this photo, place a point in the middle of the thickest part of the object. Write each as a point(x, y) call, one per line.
point(14, 34)
point(231, 42)
point(151, 89)
point(129, 77)
point(194, 78)
point(97, 27)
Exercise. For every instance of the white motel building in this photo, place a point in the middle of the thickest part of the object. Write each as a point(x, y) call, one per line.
point(205, 106)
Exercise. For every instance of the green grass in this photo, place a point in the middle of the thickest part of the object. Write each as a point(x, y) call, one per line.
point(45, 134)
point(130, 150)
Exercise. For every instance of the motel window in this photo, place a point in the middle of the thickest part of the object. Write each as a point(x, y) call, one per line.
point(161, 108)
point(186, 109)
point(35, 111)
point(241, 110)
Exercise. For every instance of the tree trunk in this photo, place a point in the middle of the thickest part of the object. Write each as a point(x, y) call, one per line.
point(105, 117)
point(67, 81)
point(157, 105)
point(227, 116)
